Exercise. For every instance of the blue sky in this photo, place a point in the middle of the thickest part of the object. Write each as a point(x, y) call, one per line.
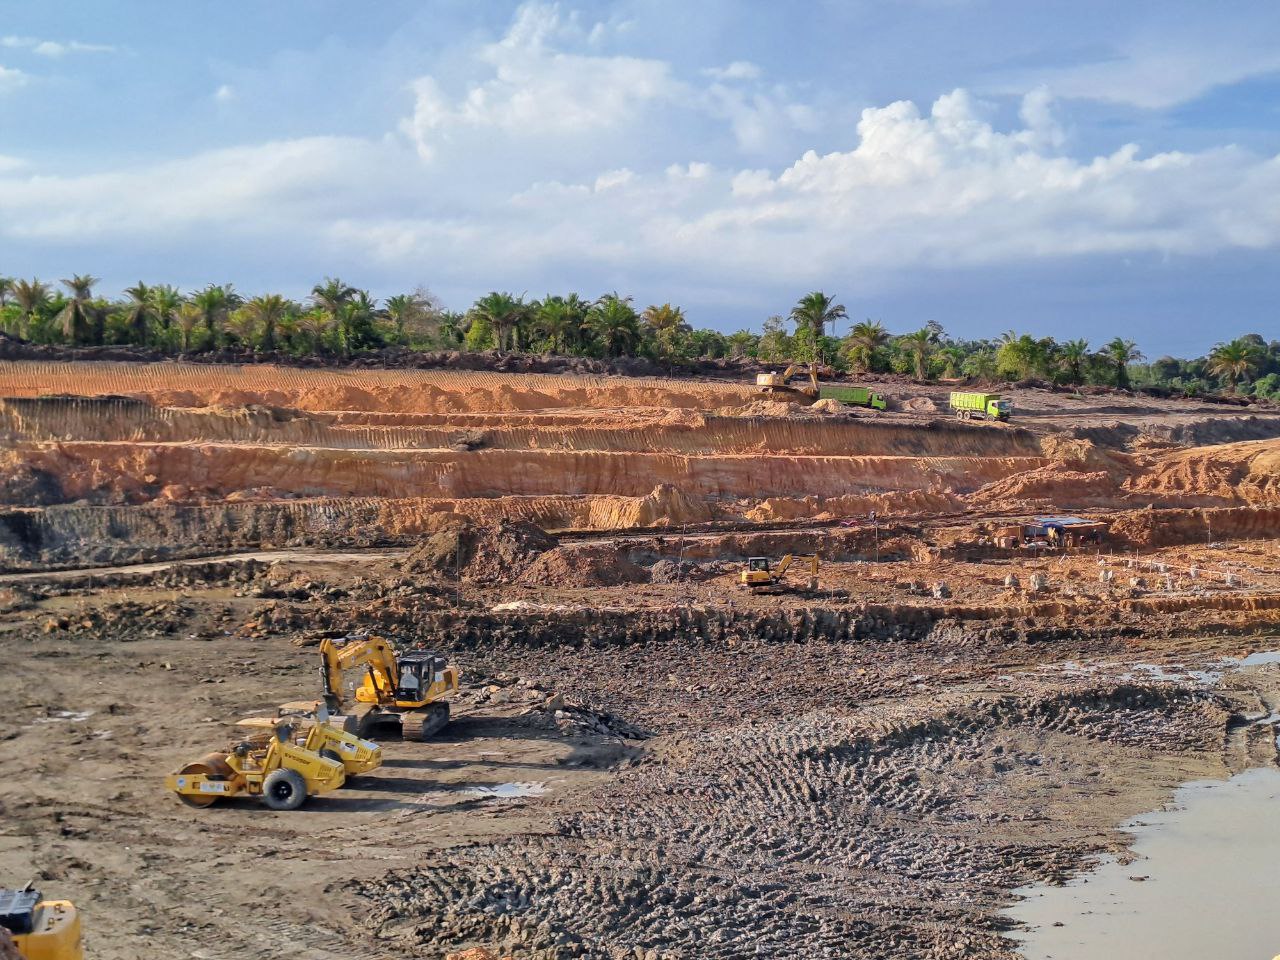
point(1080, 169)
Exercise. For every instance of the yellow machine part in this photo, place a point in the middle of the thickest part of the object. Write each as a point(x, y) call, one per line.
point(357, 754)
point(55, 933)
point(368, 691)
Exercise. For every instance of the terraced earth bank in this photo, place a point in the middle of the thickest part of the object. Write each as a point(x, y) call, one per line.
point(646, 761)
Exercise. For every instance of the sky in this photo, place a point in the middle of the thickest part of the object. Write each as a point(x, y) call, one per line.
point(1075, 169)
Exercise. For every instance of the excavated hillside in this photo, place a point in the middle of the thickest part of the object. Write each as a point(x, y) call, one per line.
point(128, 461)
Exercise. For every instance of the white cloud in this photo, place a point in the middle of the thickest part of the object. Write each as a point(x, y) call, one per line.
point(536, 91)
point(11, 78)
point(738, 70)
point(1155, 74)
point(225, 93)
point(54, 48)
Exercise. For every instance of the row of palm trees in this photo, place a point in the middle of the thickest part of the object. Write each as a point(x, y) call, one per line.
point(339, 317)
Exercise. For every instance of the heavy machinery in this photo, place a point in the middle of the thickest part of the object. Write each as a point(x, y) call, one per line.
point(404, 688)
point(980, 406)
point(778, 385)
point(40, 929)
point(853, 396)
point(279, 771)
point(761, 577)
point(773, 385)
point(313, 731)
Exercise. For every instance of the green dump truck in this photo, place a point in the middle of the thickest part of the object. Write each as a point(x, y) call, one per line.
point(853, 396)
point(980, 406)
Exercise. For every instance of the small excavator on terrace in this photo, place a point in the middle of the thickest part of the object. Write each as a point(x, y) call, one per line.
point(761, 577)
point(406, 688)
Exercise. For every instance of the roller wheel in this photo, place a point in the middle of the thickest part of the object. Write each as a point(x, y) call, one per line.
point(284, 789)
point(214, 766)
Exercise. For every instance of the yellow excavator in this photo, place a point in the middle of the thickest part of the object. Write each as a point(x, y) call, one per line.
point(406, 688)
point(778, 385)
point(761, 576)
point(280, 772)
point(40, 929)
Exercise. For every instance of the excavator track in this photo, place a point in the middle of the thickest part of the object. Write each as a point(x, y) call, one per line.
point(424, 723)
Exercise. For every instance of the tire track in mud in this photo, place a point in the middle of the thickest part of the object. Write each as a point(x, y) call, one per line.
point(887, 832)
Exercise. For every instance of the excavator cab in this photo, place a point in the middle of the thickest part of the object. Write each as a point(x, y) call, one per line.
point(758, 563)
point(419, 672)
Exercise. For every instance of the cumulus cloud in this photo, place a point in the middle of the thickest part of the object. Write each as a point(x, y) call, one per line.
point(537, 91)
point(225, 93)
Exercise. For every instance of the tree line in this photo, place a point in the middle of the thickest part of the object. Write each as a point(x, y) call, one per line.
point(340, 319)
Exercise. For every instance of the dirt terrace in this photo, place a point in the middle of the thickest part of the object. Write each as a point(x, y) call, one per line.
point(647, 762)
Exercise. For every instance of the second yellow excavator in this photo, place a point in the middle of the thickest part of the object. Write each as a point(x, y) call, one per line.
point(761, 577)
point(405, 688)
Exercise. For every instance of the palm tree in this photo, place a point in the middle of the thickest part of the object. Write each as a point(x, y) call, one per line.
point(865, 340)
point(1121, 353)
point(613, 320)
point(242, 324)
point(215, 302)
point(952, 358)
point(137, 312)
point(812, 314)
point(557, 320)
point(190, 315)
point(165, 301)
point(31, 296)
point(504, 313)
point(332, 297)
point(665, 318)
point(919, 346)
point(1234, 361)
point(77, 316)
point(314, 324)
point(1072, 357)
point(267, 313)
point(402, 310)
point(6, 289)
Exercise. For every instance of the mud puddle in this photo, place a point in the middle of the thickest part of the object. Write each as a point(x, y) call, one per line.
point(1203, 884)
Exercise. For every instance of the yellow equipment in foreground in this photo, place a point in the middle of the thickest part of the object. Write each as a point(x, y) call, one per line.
point(759, 577)
point(314, 732)
point(404, 688)
point(41, 929)
point(282, 773)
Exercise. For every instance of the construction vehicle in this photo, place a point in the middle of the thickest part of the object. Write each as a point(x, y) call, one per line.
point(40, 929)
point(404, 688)
point(313, 731)
point(774, 385)
point(760, 577)
point(980, 406)
point(278, 771)
point(853, 396)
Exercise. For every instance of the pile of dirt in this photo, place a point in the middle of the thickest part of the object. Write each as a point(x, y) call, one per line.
point(920, 405)
point(584, 565)
point(768, 408)
point(494, 553)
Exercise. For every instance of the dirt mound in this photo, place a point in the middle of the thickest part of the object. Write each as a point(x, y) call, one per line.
point(769, 408)
point(920, 405)
point(1063, 487)
point(668, 504)
point(584, 565)
point(496, 553)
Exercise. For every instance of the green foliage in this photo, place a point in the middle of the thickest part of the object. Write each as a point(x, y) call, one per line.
point(340, 318)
